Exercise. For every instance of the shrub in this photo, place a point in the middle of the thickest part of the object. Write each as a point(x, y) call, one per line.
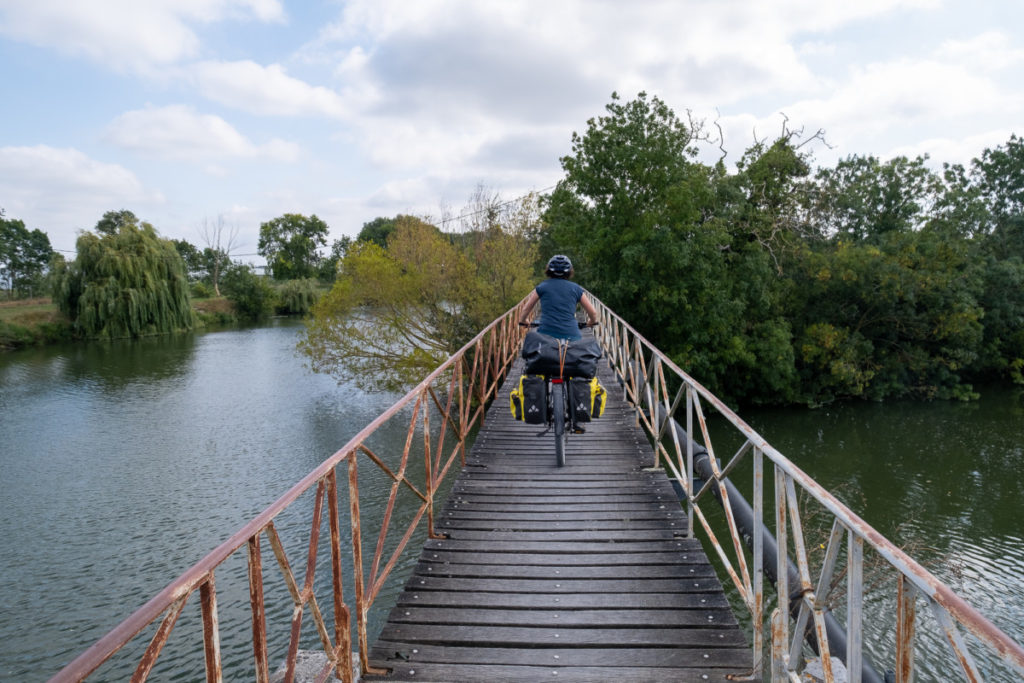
point(251, 294)
point(296, 297)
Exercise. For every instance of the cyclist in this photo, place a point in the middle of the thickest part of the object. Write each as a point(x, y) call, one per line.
point(558, 298)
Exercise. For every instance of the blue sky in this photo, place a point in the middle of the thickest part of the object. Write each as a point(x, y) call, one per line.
point(187, 111)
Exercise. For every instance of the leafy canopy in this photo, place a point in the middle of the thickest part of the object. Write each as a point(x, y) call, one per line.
point(125, 282)
point(290, 244)
point(395, 313)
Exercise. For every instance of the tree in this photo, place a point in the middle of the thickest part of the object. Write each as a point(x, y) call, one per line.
point(125, 282)
point(290, 243)
point(220, 242)
point(377, 231)
point(328, 268)
point(396, 313)
point(24, 256)
point(191, 257)
point(251, 294)
point(863, 197)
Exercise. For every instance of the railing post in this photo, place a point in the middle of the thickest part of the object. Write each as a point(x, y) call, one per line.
point(758, 613)
point(342, 617)
point(428, 466)
point(357, 560)
point(780, 630)
point(259, 619)
point(854, 605)
point(211, 630)
point(691, 492)
point(906, 622)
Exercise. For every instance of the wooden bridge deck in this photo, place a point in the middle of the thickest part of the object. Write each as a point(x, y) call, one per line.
point(579, 573)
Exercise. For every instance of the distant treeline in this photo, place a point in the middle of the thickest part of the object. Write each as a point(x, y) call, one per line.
point(781, 283)
point(771, 283)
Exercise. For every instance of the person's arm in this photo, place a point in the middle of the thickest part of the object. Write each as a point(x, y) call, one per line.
point(528, 305)
point(589, 308)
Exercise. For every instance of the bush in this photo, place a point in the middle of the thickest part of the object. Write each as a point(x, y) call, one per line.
point(201, 290)
point(252, 296)
point(296, 297)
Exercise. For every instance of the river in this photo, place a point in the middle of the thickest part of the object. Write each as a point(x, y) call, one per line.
point(123, 463)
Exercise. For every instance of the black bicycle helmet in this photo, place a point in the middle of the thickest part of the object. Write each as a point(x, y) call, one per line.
point(559, 266)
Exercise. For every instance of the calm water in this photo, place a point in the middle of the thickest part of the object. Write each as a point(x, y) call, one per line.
point(121, 464)
point(943, 480)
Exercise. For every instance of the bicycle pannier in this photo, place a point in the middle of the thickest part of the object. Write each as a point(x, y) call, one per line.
point(528, 402)
point(597, 398)
point(579, 398)
point(541, 355)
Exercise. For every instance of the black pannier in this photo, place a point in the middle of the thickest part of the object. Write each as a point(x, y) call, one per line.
point(541, 355)
point(534, 391)
point(579, 399)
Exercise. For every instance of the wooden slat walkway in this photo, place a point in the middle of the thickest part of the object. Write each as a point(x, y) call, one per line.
point(579, 573)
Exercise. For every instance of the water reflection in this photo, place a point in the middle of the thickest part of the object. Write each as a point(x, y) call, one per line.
point(124, 463)
point(944, 480)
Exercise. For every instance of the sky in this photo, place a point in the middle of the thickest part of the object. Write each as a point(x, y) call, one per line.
point(189, 112)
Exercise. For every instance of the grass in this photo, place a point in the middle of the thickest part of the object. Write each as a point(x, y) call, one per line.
point(29, 312)
point(28, 322)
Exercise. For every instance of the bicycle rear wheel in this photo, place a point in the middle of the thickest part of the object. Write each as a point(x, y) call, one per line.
point(558, 408)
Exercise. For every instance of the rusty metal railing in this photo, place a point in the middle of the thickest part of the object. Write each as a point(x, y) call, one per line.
point(662, 391)
point(456, 392)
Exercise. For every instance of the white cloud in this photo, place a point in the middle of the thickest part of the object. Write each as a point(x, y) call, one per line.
point(442, 82)
point(989, 51)
point(54, 189)
point(180, 133)
point(125, 34)
point(953, 151)
point(259, 89)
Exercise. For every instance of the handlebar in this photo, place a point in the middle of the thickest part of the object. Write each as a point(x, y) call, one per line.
point(578, 324)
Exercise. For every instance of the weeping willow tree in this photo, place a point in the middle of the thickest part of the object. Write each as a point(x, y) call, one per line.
point(125, 282)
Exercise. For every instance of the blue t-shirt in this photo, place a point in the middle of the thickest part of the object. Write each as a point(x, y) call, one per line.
point(558, 300)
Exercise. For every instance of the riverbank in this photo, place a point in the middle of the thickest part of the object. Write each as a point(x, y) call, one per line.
point(38, 321)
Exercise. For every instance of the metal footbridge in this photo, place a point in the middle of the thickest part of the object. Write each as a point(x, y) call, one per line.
point(509, 568)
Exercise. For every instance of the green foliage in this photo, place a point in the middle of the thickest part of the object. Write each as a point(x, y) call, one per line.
point(290, 243)
point(190, 256)
point(327, 271)
point(378, 230)
point(871, 279)
point(201, 290)
point(863, 198)
point(296, 297)
point(396, 313)
point(24, 256)
point(125, 282)
point(252, 296)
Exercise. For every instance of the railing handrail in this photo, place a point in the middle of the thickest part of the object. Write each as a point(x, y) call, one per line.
point(617, 335)
point(178, 589)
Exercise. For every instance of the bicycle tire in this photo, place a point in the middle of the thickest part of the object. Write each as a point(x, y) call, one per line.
point(558, 408)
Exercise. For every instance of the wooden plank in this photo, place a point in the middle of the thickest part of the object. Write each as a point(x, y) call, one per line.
point(660, 571)
point(566, 514)
point(563, 536)
point(551, 636)
point(565, 559)
point(532, 674)
point(650, 601)
point(595, 657)
point(482, 545)
point(555, 586)
point(562, 618)
point(581, 573)
point(451, 523)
